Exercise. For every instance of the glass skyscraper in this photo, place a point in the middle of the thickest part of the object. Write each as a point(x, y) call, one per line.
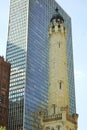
point(27, 51)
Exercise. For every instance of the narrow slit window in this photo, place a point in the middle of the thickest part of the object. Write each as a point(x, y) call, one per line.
point(59, 45)
point(54, 108)
point(58, 127)
point(60, 85)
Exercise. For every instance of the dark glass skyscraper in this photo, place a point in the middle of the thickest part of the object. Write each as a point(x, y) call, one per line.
point(27, 51)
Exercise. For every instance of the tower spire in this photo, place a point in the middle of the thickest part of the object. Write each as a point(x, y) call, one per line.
point(57, 17)
point(57, 10)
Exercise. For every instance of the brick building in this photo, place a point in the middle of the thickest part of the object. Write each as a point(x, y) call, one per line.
point(4, 91)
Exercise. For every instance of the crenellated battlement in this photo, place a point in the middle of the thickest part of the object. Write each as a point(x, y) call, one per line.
point(57, 28)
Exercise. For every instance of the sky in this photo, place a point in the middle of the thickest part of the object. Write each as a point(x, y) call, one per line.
point(77, 10)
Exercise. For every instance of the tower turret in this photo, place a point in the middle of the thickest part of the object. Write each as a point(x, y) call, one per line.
point(58, 75)
point(59, 116)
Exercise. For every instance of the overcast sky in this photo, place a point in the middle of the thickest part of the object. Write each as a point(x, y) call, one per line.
point(77, 10)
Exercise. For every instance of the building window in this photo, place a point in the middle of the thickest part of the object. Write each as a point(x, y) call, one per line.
point(5, 73)
point(58, 127)
point(59, 44)
point(54, 108)
point(59, 26)
point(2, 99)
point(53, 28)
point(4, 85)
point(60, 85)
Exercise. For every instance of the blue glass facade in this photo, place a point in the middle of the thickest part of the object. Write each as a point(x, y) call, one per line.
point(27, 51)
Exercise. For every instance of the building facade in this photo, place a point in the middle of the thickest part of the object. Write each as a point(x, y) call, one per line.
point(28, 53)
point(4, 92)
